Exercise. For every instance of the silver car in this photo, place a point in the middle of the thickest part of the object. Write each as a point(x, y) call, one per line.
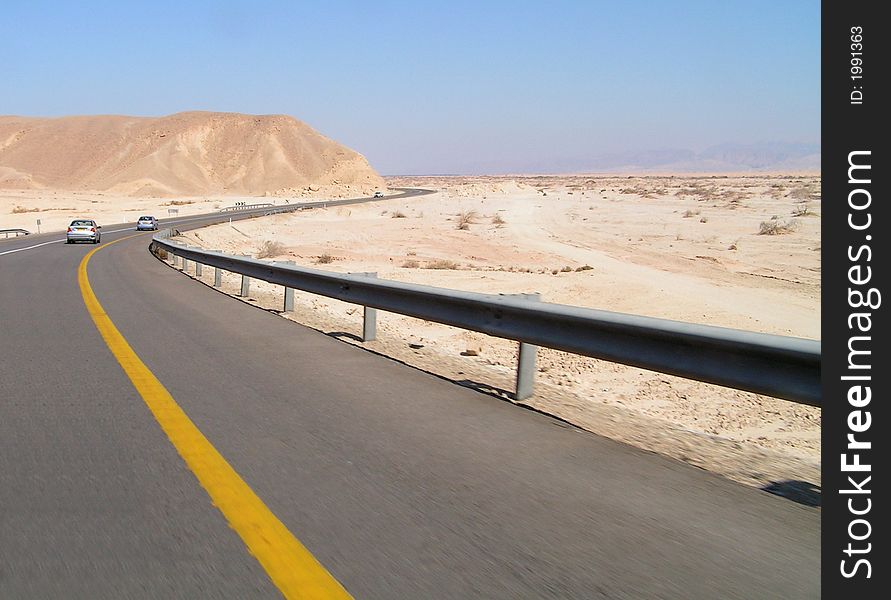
point(147, 224)
point(83, 230)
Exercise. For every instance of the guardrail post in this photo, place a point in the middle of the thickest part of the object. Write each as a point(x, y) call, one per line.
point(289, 292)
point(245, 283)
point(185, 265)
point(217, 274)
point(198, 266)
point(526, 362)
point(369, 317)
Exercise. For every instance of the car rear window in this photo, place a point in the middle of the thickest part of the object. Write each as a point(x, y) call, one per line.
point(82, 222)
point(146, 218)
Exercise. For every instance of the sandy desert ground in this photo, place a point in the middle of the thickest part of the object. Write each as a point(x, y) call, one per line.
point(735, 251)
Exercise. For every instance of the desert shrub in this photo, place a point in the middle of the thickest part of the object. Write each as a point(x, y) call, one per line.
point(775, 227)
point(324, 259)
point(689, 213)
point(805, 193)
point(271, 248)
point(801, 210)
point(703, 219)
point(21, 209)
point(411, 264)
point(397, 214)
point(465, 219)
point(566, 269)
point(498, 221)
point(734, 245)
point(584, 268)
point(442, 264)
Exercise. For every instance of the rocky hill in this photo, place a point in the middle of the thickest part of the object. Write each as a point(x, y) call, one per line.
point(192, 153)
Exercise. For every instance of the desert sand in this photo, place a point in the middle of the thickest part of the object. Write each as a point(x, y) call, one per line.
point(735, 251)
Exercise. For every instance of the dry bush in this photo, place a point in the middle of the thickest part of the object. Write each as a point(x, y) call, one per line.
point(566, 269)
point(271, 248)
point(178, 203)
point(411, 264)
point(703, 219)
point(442, 264)
point(584, 268)
point(802, 210)
point(690, 213)
point(324, 259)
point(398, 214)
point(734, 245)
point(21, 209)
point(805, 193)
point(775, 227)
point(465, 219)
point(498, 221)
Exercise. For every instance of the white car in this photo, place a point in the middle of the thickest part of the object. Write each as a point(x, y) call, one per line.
point(378, 194)
point(83, 230)
point(147, 224)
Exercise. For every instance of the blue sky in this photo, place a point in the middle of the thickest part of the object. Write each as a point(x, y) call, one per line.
point(435, 87)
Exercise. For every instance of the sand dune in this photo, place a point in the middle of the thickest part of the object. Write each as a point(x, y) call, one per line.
point(192, 153)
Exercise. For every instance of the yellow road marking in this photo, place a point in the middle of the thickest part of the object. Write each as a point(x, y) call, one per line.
point(290, 566)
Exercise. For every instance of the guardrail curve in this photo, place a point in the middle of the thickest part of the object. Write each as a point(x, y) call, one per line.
point(779, 366)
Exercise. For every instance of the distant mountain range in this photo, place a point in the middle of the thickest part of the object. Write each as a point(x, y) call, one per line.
point(767, 156)
point(723, 158)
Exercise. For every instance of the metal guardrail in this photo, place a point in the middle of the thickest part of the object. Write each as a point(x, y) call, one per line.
point(17, 232)
point(246, 207)
point(784, 367)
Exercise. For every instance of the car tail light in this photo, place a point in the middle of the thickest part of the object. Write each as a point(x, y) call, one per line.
point(93, 229)
point(70, 230)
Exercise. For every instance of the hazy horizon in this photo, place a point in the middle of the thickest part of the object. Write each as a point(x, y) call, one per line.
point(457, 88)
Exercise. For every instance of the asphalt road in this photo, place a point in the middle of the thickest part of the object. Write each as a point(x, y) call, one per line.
point(400, 483)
